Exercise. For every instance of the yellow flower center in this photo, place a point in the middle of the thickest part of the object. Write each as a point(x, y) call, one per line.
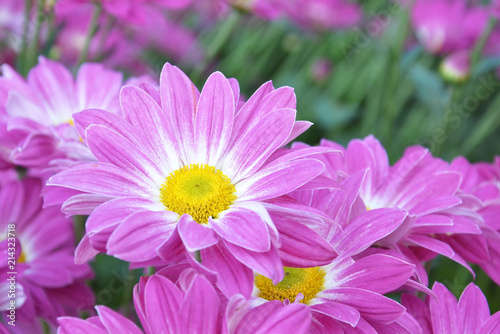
point(22, 258)
point(308, 281)
point(199, 190)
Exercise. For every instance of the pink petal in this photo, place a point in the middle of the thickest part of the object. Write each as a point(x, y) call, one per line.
point(195, 236)
point(200, 310)
point(444, 310)
point(115, 322)
point(473, 308)
point(338, 311)
point(162, 301)
point(267, 264)
point(69, 325)
point(138, 236)
point(214, 119)
point(244, 228)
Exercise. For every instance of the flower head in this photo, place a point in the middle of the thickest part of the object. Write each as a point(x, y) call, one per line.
point(44, 246)
point(184, 169)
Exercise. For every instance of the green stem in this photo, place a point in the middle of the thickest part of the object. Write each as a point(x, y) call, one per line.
point(151, 271)
point(33, 50)
point(90, 33)
point(478, 48)
point(197, 256)
point(24, 44)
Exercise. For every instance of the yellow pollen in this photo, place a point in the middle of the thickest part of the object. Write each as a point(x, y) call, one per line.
point(199, 190)
point(308, 281)
point(70, 122)
point(22, 258)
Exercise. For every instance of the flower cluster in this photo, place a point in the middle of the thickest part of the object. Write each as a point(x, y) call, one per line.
point(242, 232)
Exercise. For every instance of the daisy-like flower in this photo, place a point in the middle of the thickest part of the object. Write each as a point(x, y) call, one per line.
point(443, 314)
point(445, 26)
point(184, 169)
point(419, 184)
point(40, 246)
point(480, 190)
point(190, 306)
point(41, 108)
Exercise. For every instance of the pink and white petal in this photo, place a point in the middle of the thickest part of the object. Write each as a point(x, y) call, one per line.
point(243, 228)
point(179, 98)
point(378, 273)
point(301, 246)
point(266, 99)
point(83, 204)
point(338, 311)
point(70, 325)
point(271, 317)
point(298, 128)
point(432, 205)
point(232, 276)
point(101, 93)
point(214, 119)
point(199, 313)
point(84, 252)
point(438, 247)
point(250, 151)
point(195, 236)
point(444, 311)
point(372, 306)
point(115, 323)
point(278, 179)
point(298, 152)
point(138, 236)
point(172, 250)
point(145, 114)
point(267, 264)
point(366, 229)
point(235, 87)
point(473, 308)
point(162, 300)
point(109, 146)
point(35, 150)
point(101, 179)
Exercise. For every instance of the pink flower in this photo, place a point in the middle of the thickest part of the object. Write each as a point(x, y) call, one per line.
point(191, 306)
point(324, 14)
point(48, 283)
point(418, 184)
point(442, 313)
point(445, 26)
point(40, 109)
point(184, 170)
point(480, 191)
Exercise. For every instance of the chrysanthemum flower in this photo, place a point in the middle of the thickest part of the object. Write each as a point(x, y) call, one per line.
point(480, 190)
point(419, 184)
point(192, 172)
point(48, 282)
point(445, 26)
point(442, 313)
point(191, 306)
point(42, 106)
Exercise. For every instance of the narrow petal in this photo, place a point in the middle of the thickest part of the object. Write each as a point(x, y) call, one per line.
point(138, 236)
point(179, 98)
point(145, 114)
point(69, 325)
point(473, 308)
point(195, 236)
point(162, 301)
point(109, 146)
point(232, 276)
point(378, 273)
point(251, 150)
point(84, 252)
point(371, 305)
point(214, 119)
point(114, 322)
point(278, 179)
point(200, 310)
point(301, 246)
point(338, 311)
point(444, 310)
point(102, 179)
point(267, 264)
point(244, 228)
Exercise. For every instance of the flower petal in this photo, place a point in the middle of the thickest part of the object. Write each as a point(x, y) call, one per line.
point(195, 236)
